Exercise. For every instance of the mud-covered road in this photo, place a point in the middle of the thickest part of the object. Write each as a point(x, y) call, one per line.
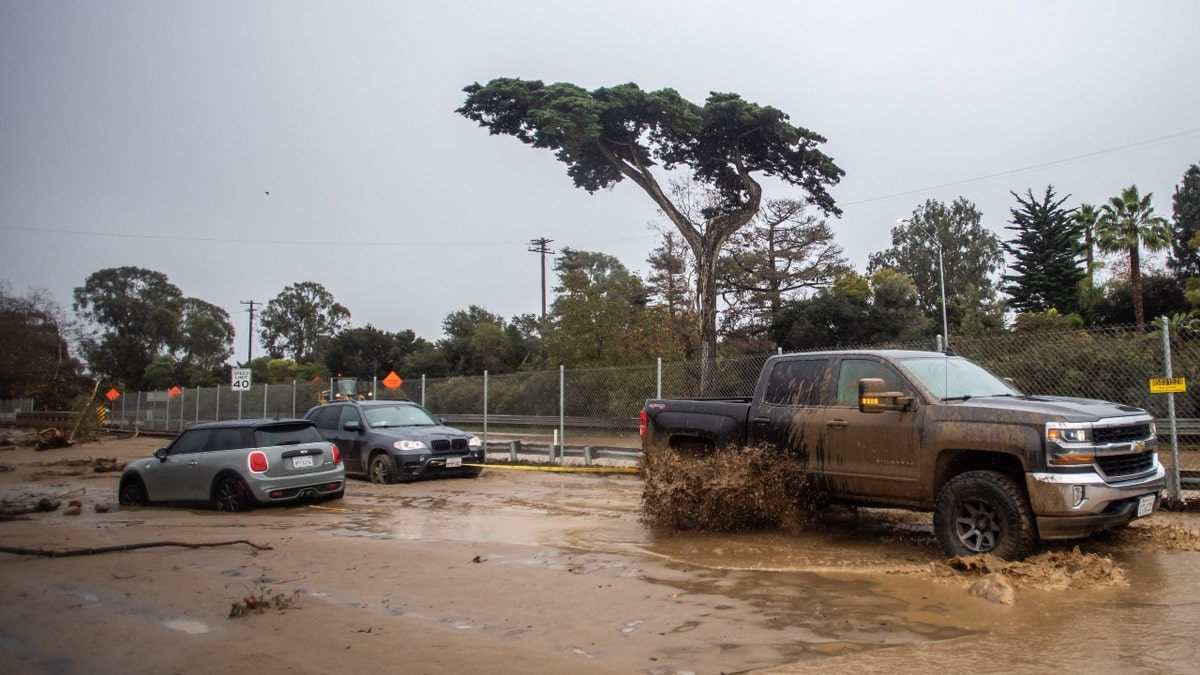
point(523, 571)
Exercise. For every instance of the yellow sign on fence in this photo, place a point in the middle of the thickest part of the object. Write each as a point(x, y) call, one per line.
point(1167, 385)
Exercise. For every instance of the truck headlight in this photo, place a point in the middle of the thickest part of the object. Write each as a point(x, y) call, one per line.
point(1067, 434)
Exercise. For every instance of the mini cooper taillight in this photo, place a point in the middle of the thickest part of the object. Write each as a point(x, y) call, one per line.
point(335, 453)
point(258, 462)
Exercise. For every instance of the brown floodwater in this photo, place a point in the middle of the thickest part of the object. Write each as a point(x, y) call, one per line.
point(853, 591)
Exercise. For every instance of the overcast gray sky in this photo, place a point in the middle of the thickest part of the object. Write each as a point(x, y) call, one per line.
point(149, 133)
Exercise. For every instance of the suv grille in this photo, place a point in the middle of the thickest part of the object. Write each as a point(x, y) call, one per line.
point(447, 445)
point(1119, 466)
point(1123, 434)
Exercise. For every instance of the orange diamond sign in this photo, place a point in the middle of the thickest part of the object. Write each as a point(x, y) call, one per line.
point(392, 380)
point(112, 394)
point(174, 391)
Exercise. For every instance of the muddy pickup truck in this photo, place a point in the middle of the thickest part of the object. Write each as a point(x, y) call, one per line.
point(935, 432)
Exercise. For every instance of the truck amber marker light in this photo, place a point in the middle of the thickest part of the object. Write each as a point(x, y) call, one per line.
point(869, 401)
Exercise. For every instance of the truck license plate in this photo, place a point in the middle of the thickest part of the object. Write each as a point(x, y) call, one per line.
point(1145, 506)
point(302, 462)
point(453, 462)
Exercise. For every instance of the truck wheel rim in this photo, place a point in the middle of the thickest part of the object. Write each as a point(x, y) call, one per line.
point(978, 525)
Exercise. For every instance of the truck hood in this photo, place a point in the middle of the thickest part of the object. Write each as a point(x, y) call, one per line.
point(1065, 408)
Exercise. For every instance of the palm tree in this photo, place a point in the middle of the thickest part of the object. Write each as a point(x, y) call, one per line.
point(1127, 223)
point(1085, 217)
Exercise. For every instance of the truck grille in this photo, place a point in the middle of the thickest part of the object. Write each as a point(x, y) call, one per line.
point(1119, 466)
point(1125, 434)
point(449, 444)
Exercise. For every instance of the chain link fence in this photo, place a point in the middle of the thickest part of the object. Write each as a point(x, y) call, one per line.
point(599, 406)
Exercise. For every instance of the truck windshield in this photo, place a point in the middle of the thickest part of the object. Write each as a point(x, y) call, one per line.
point(949, 377)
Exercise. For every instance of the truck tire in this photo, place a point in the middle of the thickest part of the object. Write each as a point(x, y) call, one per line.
point(983, 512)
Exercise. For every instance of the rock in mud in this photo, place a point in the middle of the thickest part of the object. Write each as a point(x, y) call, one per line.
point(995, 589)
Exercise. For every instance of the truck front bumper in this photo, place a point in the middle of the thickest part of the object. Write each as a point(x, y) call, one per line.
point(1078, 504)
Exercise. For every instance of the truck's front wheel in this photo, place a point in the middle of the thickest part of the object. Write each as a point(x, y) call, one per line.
point(983, 512)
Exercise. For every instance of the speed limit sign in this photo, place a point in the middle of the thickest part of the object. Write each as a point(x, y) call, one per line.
point(240, 380)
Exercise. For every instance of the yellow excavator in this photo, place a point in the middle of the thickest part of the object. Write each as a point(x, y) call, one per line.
point(341, 389)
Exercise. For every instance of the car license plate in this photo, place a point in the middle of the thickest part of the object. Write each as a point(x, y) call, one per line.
point(453, 462)
point(1145, 506)
point(302, 462)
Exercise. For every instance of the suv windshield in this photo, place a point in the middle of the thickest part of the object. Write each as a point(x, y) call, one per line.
point(956, 377)
point(399, 416)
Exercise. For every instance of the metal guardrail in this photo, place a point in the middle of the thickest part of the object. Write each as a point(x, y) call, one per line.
point(515, 449)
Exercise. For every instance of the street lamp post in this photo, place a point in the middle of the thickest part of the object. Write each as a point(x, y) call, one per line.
point(941, 279)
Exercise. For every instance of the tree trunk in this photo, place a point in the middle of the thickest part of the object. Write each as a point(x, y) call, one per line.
point(706, 290)
point(1135, 284)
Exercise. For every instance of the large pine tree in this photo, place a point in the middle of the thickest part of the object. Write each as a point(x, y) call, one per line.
point(1046, 249)
point(1185, 254)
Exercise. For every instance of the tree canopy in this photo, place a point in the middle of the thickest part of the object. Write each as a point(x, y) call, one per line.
point(135, 316)
point(1185, 241)
point(1126, 224)
point(613, 133)
point(35, 361)
point(1046, 251)
point(295, 321)
point(971, 256)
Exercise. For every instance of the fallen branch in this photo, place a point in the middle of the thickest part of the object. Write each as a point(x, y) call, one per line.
point(64, 553)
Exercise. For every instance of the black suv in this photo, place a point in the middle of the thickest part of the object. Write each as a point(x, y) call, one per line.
point(392, 441)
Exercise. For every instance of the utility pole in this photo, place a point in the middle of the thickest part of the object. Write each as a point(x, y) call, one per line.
point(250, 337)
point(542, 246)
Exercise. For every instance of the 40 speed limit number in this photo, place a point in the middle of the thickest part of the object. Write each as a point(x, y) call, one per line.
point(240, 380)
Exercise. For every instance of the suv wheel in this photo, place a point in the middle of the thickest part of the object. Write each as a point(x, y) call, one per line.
point(382, 470)
point(983, 512)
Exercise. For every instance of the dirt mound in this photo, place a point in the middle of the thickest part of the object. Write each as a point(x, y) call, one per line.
point(1053, 570)
point(732, 490)
point(1153, 535)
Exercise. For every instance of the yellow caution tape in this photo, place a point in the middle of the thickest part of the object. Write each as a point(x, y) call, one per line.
point(563, 469)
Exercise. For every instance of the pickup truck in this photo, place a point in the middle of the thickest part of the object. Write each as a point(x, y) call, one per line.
point(932, 431)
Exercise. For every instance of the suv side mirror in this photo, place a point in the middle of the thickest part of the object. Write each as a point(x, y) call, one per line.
point(352, 426)
point(873, 399)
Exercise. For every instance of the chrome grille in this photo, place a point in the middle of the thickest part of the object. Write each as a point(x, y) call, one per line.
point(1125, 434)
point(1118, 466)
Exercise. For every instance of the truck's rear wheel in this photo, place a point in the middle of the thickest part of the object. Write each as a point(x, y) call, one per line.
point(983, 512)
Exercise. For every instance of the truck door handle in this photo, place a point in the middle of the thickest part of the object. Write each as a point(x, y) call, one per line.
point(837, 423)
point(761, 420)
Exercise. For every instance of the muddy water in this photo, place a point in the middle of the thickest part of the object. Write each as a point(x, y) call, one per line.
point(854, 592)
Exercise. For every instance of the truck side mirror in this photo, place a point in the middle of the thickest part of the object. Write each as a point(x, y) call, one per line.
point(872, 397)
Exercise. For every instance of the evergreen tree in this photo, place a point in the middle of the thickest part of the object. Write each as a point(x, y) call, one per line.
point(1185, 242)
point(1047, 248)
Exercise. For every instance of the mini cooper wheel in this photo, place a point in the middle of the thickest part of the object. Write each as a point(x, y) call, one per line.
point(232, 495)
point(132, 492)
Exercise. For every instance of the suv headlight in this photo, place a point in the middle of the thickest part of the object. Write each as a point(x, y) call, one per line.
point(409, 445)
point(474, 442)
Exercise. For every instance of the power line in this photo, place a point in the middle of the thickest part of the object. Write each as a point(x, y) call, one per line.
point(1034, 167)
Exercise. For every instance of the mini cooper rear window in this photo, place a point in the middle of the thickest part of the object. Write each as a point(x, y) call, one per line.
point(286, 434)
